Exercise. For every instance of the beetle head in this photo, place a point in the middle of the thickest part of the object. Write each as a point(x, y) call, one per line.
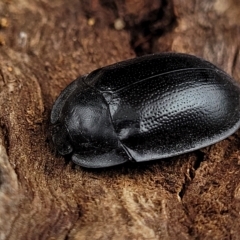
point(61, 139)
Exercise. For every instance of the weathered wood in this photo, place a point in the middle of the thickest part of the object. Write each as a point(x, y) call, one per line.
point(47, 44)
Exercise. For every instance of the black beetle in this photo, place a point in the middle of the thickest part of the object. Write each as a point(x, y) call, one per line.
point(142, 109)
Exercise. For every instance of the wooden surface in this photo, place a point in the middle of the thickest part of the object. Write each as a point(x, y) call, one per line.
point(47, 44)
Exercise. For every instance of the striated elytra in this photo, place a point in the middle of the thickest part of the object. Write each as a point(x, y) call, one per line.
point(143, 109)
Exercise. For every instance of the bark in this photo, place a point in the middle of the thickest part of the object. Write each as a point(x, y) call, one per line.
point(47, 44)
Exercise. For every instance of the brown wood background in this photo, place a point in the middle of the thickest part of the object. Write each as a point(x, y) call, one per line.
point(47, 44)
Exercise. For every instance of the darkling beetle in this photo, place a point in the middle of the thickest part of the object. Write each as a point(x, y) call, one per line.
point(147, 108)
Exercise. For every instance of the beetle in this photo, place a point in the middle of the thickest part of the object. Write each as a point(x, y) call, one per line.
point(147, 108)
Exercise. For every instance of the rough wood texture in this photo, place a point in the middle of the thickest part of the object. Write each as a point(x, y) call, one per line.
point(47, 44)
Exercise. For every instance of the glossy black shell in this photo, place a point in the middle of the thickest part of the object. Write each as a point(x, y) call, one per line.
point(147, 108)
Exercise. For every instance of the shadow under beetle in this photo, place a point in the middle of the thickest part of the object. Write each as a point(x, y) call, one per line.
point(142, 109)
